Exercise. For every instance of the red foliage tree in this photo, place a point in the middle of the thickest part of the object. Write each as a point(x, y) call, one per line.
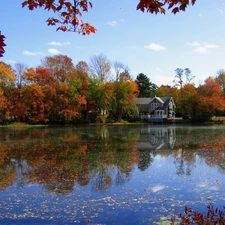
point(211, 97)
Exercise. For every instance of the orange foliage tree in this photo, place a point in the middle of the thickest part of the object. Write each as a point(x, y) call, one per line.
point(7, 79)
point(36, 111)
point(211, 98)
point(63, 99)
point(61, 66)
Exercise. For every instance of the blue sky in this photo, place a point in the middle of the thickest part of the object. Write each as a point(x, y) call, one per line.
point(151, 44)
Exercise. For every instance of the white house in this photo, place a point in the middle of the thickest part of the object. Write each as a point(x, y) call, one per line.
point(156, 108)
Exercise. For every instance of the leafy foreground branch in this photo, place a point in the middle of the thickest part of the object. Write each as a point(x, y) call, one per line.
point(213, 216)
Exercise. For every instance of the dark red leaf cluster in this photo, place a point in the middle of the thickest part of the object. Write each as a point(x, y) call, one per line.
point(211, 217)
point(69, 13)
point(160, 6)
point(2, 44)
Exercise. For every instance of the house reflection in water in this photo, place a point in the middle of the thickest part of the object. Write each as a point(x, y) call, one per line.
point(157, 137)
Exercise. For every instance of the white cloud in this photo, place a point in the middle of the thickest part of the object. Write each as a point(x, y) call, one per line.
point(194, 44)
point(210, 46)
point(112, 23)
point(202, 48)
point(59, 43)
point(32, 53)
point(155, 47)
point(53, 51)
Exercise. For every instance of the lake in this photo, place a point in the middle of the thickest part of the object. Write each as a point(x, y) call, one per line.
point(109, 174)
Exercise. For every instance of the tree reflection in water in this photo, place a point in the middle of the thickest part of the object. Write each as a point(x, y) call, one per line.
point(59, 158)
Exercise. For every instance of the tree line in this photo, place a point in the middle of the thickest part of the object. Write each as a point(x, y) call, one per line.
point(57, 91)
point(196, 103)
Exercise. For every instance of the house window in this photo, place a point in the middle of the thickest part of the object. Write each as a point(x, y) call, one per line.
point(170, 105)
point(154, 106)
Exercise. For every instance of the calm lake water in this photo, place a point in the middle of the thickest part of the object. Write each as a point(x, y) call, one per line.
point(109, 174)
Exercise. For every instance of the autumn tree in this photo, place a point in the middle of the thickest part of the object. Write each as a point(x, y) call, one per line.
point(82, 71)
point(63, 99)
point(77, 97)
point(146, 87)
point(105, 101)
point(99, 100)
point(7, 74)
point(34, 100)
point(82, 68)
point(189, 101)
point(125, 92)
point(4, 112)
point(61, 66)
point(100, 67)
point(7, 85)
point(35, 97)
point(211, 98)
point(167, 90)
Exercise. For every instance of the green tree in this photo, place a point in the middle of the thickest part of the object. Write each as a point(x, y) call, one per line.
point(93, 95)
point(125, 93)
point(189, 101)
point(145, 86)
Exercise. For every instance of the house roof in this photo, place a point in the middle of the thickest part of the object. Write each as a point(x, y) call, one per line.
point(146, 101)
point(166, 100)
point(159, 99)
point(143, 101)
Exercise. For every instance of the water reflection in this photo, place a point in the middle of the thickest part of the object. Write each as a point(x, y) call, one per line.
point(157, 137)
point(108, 174)
point(60, 158)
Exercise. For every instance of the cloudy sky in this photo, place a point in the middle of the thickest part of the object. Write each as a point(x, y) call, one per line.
point(151, 44)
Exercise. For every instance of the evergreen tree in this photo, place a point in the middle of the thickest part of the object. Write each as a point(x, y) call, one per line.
point(146, 87)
